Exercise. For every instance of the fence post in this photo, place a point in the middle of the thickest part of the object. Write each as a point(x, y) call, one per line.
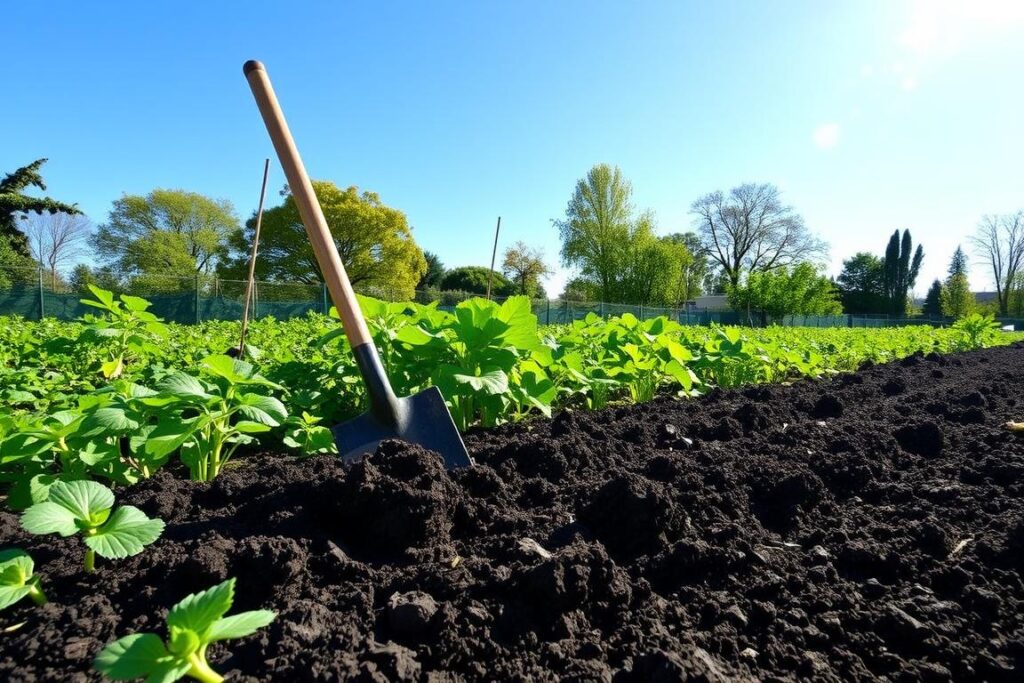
point(42, 306)
point(197, 299)
point(323, 296)
point(547, 315)
point(641, 316)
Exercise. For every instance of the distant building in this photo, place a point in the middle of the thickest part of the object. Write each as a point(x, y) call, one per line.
point(711, 302)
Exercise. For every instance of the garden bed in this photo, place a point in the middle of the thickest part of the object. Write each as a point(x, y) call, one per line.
point(865, 526)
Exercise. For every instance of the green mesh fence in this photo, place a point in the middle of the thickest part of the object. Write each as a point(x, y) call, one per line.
point(33, 294)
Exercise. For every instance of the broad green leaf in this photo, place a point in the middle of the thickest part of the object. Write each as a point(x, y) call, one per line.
point(264, 409)
point(240, 625)
point(97, 451)
point(12, 594)
point(134, 303)
point(493, 382)
point(170, 434)
point(182, 384)
point(110, 420)
point(126, 533)
point(49, 518)
point(102, 295)
point(198, 611)
point(82, 498)
point(229, 368)
point(250, 427)
point(414, 335)
point(133, 656)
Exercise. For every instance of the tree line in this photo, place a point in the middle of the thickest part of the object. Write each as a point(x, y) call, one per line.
point(747, 243)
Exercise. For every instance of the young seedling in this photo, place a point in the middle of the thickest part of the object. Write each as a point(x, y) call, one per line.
point(87, 507)
point(17, 578)
point(192, 625)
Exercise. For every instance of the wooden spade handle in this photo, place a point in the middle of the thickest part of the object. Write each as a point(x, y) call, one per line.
point(326, 252)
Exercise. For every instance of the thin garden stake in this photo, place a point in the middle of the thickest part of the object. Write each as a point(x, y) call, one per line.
point(252, 259)
point(494, 254)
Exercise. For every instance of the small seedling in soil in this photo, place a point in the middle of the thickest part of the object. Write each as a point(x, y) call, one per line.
point(17, 578)
point(87, 507)
point(192, 625)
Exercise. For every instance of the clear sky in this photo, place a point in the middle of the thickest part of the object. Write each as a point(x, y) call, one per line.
point(870, 115)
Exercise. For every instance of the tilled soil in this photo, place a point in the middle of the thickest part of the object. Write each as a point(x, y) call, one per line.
point(866, 527)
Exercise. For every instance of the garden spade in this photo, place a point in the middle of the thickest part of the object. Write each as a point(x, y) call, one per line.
point(420, 419)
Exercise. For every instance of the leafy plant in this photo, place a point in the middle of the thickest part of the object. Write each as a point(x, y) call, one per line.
point(127, 329)
point(208, 418)
point(978, 331)
point(17, 578)
point(192, 625)
point(87, 507)
point(308, 436)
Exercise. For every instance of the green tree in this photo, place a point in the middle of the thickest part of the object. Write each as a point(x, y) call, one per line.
point(861, 284)
point(598, 228)
point(374, 241)
point(933, 300)
point(473, 279)
point(693, 267)
point(800, 290)
point(900, 270)
point(166, 236)
point(958, 264)
point(957, 298)
point(14, 204)
point(431, 278)
point(16, 268)
point(524, 266)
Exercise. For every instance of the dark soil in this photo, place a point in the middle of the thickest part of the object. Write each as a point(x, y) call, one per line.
point(867, 527)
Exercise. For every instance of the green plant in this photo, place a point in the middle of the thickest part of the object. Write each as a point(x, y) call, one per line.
point(308, 436)
point(209, 418)
point(192, 625)
point(17, 578)
point(978, 331)
point(127, 330)
point(87, 507)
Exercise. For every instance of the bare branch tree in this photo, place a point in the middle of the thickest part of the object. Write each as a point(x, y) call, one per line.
point(752, 229)
point(55, 239)
point(1000, 240)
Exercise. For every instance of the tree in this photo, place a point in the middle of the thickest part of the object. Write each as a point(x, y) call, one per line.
point(751, 229)
point(524, 266)
point(578, 289)
point(861, 284)
point(167, 233)
point(473, 279)
point(1000, 241)
point(693, 267)
point(82, 276)
point(431, 278)
point(800, 290)
point(957, 298)
point(958, 264)
point(933, 300)
point(899, 271)
point(15, 268)
point(56, 238)
point(14, 204)
point(597, 229)
point(374, 241)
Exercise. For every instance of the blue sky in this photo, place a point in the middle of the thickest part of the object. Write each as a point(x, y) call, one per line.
point(870, 115)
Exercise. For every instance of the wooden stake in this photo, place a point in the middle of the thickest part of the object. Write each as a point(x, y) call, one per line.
point(494, 254)
point(252, 259)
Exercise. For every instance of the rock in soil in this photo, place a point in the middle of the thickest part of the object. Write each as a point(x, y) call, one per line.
point(726, 538)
